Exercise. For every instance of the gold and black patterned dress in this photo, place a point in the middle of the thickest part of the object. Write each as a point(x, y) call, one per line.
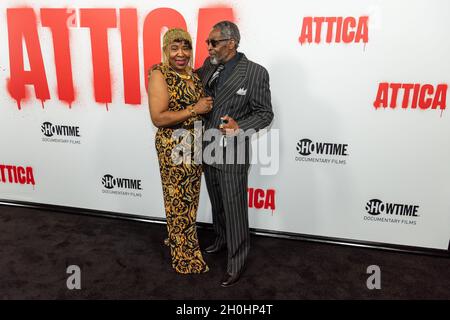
point(181, 179)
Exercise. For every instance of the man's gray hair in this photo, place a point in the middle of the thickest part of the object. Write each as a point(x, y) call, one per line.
point(229, 30)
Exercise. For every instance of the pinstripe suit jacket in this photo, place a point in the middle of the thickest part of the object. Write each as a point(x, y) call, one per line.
point(252, 110)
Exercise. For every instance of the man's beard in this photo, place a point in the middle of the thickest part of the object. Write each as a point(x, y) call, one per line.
point(213, 60)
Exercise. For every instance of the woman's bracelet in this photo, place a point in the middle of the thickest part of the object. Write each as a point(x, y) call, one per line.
point(192, 111)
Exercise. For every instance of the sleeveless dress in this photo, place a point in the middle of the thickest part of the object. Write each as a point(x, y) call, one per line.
point(181, 179)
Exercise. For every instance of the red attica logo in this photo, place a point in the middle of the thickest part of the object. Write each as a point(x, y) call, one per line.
point(16, 174)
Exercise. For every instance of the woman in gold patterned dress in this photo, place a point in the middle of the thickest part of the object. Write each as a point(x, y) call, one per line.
point(176, 101)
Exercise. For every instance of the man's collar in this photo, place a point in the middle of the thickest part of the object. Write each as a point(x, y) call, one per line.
point(233, 60)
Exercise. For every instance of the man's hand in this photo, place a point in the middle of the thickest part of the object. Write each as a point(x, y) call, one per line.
point(229, 126)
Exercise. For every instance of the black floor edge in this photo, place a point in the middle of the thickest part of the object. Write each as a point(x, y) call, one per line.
point(254, 231)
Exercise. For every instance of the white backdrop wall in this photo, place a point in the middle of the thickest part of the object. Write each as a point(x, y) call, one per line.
point(389, 181)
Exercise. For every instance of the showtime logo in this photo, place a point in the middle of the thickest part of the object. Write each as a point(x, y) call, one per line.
point(376, 207)
point(315, 151)
point(48, 129)
point(337, 29)
point(412, 95)
point(16, 174)
point(306, 147)
point(109, 182)
point(261, 199)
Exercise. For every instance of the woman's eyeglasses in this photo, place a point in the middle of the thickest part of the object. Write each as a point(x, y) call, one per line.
point(214, 43)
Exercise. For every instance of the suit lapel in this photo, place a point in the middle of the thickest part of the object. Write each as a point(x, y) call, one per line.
point(209, 70)
point(233, 83)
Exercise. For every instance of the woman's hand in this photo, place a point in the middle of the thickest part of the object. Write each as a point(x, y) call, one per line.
point(204, 105)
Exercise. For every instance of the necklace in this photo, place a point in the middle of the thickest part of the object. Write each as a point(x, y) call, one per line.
point(182, 76)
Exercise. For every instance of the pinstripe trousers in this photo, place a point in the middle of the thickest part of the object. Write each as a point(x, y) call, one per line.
point(228, 194)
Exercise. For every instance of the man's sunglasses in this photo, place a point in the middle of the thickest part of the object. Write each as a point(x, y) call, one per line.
point(214, 43)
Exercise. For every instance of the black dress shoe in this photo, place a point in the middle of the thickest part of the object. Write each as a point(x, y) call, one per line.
point(214, 249)
point(230, 279)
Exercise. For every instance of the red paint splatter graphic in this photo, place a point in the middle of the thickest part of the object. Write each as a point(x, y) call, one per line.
point(23, 37)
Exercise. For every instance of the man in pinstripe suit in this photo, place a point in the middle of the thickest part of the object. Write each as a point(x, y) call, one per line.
point(242, 105)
